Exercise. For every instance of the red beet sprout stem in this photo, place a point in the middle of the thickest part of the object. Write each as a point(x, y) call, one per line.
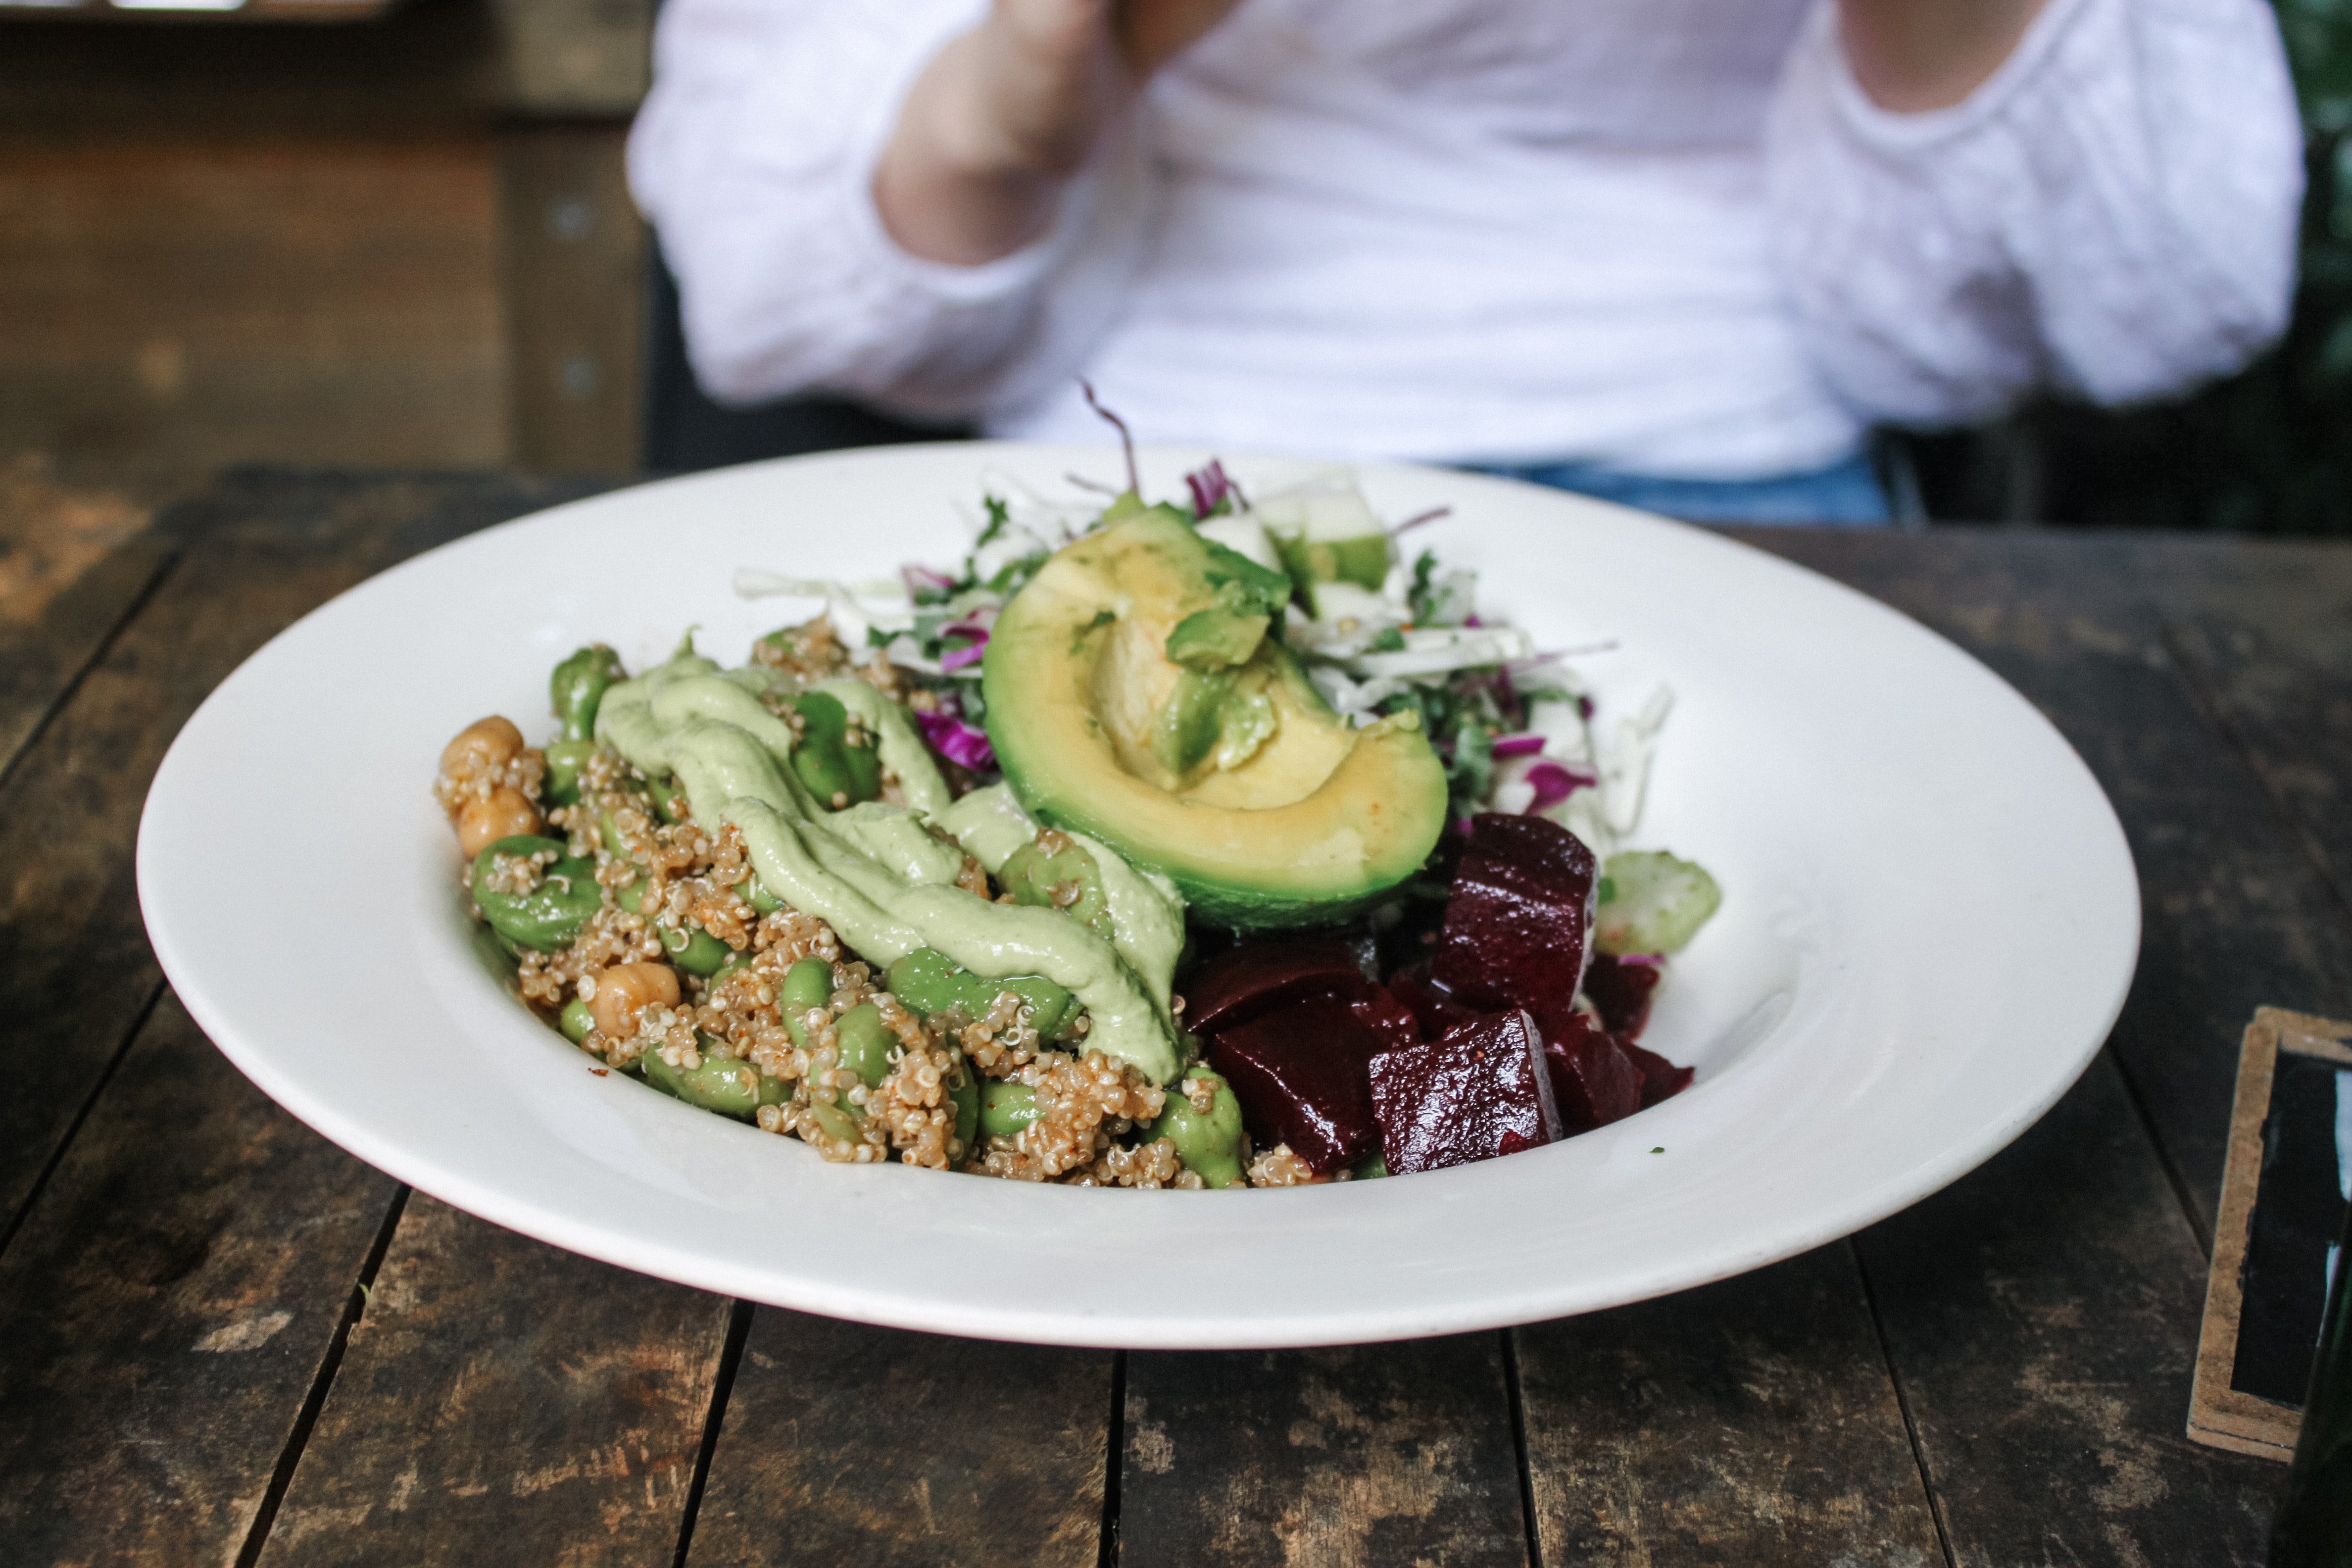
point(1126, 436)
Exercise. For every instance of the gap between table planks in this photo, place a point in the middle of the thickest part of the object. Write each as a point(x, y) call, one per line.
point(2017, 1354)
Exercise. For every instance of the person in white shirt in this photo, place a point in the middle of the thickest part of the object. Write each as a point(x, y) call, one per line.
point(1681, 252)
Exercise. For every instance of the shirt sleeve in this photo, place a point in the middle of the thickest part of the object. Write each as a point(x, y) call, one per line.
point(753, 158)
point(2113, 214)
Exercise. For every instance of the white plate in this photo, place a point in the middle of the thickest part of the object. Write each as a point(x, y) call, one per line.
point(1929, 921)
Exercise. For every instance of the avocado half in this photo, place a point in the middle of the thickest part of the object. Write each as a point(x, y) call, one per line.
point(1227, 772)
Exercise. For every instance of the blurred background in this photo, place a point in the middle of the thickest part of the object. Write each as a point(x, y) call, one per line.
point(396, 233)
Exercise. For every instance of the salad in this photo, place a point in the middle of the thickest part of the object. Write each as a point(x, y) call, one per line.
point(1214, 841)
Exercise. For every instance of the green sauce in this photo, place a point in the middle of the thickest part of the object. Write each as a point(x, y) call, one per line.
point(867, 871)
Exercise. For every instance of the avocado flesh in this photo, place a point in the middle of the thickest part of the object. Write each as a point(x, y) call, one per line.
point(1261, 804)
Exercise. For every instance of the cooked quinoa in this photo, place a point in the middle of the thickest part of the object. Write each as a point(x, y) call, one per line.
point(657, 867)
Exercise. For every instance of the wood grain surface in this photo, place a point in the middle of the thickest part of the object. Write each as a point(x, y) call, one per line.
point(165, 1308)
point(495, 1389)
point(2043, 1316)
point(1787, 1443)
point(258, 552)
point(74, 559)
point(849, 1446)
point(1355, 1456)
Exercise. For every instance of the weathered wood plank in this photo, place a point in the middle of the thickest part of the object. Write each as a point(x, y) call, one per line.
point(165, 1308)
point(2042, 1315)
point(74, 557)
point(1368, 1455)
point(846, 1445)
point(2293, 713)
point(495, 1389)
point(1750, 1423)
point(262, 550)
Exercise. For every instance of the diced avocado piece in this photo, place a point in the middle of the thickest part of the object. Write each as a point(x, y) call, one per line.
point(1288, 817)
point(1651, 902)
point(1216, 638)
point(1339, 601)
point(1325, 532)
point(1243, 535)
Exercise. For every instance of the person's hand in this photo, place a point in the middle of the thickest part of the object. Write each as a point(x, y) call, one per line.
point(1005, 114)
point(1916, 55)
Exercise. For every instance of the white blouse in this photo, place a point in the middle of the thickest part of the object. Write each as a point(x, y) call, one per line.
point(1672, 237)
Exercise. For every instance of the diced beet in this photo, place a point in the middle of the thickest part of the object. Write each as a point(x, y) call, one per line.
point(1661, 1079)
point(1433, 1006)
point(1300, 1073)
point(1518, 921)
point(1595, 1081)
point(1623, 992)
point(1479, 1092)
point(1391, 1021)
point(1255, 978)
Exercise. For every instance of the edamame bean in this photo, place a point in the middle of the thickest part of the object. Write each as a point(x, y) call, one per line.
point(928, 981)
point(1006, 1108)
point(578, 687)
point(764, 901)
point(729, 1087)
point(692, 949)
point(1209, 1143)
point(833, 1120)
point(865, 1042)
point(1065, 879)
point(1054, 1011)
point(1371, 1168)
point(549, 916)
point(834, 759)
point(575, 1020)
point(807, 984)
point(564, 760)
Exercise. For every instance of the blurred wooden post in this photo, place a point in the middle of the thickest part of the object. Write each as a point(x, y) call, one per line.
point(572, 249)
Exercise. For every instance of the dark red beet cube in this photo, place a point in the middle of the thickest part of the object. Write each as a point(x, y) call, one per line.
point(1520, 920)
point(1393, 1023)
point(1594, 1080)
point(1622, 989)
point(1479, 1092)
point(1661, 1079)
point(1256, 977)
point(1301, 1074)
point(1433, 1006)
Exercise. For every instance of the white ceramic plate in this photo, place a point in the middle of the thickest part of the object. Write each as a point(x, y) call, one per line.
point(1929, 921)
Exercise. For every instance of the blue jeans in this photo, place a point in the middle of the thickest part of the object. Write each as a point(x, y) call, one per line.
point(1844, 494)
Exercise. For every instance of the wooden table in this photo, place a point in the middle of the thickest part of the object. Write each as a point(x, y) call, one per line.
point(223, 1341)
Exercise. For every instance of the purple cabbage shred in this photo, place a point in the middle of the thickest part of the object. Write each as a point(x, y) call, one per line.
point(1210, 487)
point(961, 744)
point(1554, 784)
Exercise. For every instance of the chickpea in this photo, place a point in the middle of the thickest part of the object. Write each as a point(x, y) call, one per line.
point(483, 746)
point(503, 813)
point(626, 990)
